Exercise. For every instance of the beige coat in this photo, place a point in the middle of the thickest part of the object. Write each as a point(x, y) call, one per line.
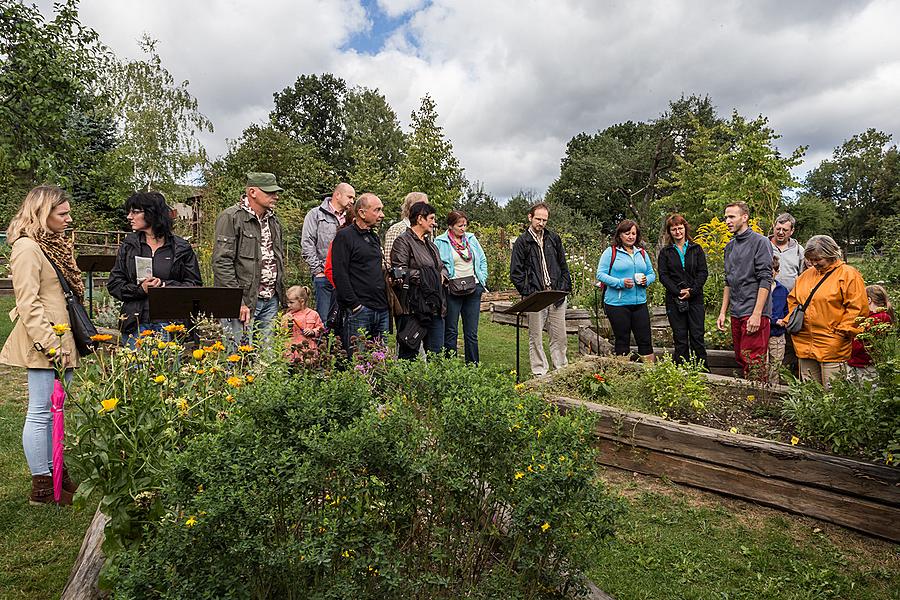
point(40, 304)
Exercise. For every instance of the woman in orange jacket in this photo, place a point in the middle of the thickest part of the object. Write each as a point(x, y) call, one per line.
point(823, 345)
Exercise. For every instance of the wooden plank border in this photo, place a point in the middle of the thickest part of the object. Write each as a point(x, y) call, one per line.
point(856, 494)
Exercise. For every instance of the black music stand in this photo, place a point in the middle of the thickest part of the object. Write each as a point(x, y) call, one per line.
point(533, 303)
point(94, 263)
point(187, 303)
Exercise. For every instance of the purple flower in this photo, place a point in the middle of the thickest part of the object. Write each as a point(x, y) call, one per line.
point(378, 355)
point(360, 368)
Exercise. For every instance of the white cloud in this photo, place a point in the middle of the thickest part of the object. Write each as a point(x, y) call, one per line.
point(514, 82)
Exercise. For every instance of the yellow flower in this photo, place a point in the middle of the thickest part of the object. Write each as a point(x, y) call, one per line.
point(191, 521)
point(146, 333)
point(246, 348)
point(198, 353)
point(233, 358)
point(183, 405)
point(234, 381)
point(109, 404)
point(794, 440)
point(250, 378)
point(161, 345)
point(889, 459)
point(520, 475)
point(545, 526)
point(200, 371)
point(172, 345)
point(229, 398)
point(155, 353)
point(60, 329)
point(160, 379)
point(173, 327)
point(51, 352)
point(101, 337)
point(346, 553)
point(562, 459)
point(751, 398)
point(733, 430)
point(519, 387)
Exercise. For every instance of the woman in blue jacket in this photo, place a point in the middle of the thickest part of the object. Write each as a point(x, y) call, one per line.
point(625, 271)
point(465, 261)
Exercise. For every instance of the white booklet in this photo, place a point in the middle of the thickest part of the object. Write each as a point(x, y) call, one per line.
point(143, 268)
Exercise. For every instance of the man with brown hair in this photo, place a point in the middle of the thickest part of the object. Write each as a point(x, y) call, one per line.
point(748, 282)
point(539, 263)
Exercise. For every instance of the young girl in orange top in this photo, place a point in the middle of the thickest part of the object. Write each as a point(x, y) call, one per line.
point(305, 323)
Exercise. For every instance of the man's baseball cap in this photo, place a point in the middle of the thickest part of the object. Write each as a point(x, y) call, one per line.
point(264, 181)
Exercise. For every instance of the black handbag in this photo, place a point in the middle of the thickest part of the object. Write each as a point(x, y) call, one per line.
point(795, 321)
point(79, 320)
point(463, 286)
point(412, 333)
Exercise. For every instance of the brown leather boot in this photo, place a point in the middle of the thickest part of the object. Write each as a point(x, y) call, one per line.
point(42, 492)
point(68, 485)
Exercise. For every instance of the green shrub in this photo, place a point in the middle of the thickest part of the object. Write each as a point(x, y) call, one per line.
point(441, 481)
point(854, 417)
point(677, 390)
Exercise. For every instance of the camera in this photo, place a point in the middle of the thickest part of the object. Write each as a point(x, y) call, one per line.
point(399, 273)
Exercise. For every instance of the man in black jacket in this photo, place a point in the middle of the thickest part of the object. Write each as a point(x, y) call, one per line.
point(539, 263)
point(356, 264)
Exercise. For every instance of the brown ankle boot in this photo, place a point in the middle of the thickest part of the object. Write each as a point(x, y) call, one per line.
point(68, 485)
point(42, 492)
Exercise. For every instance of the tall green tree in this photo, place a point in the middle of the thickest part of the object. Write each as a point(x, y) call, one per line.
point(735, 160)
point(430, 165)
point(159, 122)
point(373, 130)
point(312, 111)
point(618, 172)
point(52, 82)
point(862, 181)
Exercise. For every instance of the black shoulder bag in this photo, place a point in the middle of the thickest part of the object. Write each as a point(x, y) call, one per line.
point(795, 321)
point(79, 320)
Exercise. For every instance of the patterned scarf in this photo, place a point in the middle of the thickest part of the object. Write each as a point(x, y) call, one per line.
point(60, 252)
point(461, 245)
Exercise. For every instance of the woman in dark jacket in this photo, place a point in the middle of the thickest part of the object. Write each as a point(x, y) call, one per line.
point(423, 296)
point(683, 272)
point(173, 262)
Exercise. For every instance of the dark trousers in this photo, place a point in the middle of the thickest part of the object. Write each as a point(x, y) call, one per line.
point(324, 291)
point(627, 320)
point(432, 342)
point(469, 306)
point(373, 323)
point(687, 332)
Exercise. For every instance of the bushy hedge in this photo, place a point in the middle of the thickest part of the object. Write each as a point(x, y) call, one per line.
point(439, 480)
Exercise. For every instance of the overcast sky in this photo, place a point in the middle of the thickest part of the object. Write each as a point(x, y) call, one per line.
point(514, 80)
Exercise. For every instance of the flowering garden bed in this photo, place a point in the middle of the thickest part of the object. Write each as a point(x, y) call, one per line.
point(857, 494)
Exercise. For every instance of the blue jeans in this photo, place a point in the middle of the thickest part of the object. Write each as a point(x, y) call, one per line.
point(432, 342)
point(324, 292)
point(469, 307)
point(374, 324)
point(37, 435)
point(259, 330)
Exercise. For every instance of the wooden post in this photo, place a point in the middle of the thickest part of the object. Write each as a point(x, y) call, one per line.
point(82, 584)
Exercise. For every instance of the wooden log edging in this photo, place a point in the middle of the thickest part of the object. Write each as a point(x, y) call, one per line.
point(83, 580)
point(855, 494)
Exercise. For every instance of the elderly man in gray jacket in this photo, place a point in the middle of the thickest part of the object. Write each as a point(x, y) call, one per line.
point(319, 228)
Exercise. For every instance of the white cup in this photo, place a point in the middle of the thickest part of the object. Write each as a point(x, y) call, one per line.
point(640, 278)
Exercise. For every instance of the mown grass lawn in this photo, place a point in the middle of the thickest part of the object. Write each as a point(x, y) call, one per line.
point(673, 542)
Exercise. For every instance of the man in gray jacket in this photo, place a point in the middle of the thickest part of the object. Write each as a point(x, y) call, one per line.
point(748, 282)
point(319, 228)
point(249, 254)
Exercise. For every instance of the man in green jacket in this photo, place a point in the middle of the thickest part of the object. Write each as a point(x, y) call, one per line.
point(249, 254)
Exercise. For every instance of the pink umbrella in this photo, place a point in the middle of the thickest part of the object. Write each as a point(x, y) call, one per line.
point(57, 400)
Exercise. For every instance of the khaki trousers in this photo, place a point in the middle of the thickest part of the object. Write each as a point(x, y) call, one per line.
point(813, 370)
point(776, 356)
point(555, 317)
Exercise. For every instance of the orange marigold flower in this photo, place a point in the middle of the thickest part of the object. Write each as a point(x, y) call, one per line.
point(599, 377)
point(233, 358)
point(101, 337)
point(147, 333)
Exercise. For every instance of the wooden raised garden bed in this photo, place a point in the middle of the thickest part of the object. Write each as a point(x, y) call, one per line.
point(856, 494)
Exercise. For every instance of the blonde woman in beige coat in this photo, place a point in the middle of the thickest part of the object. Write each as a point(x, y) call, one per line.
point(36, 236)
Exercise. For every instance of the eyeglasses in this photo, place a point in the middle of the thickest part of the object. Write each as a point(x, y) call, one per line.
point(136, 211)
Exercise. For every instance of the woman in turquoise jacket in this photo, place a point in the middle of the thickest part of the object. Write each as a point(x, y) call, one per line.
point(625, 271)
point(465, 261)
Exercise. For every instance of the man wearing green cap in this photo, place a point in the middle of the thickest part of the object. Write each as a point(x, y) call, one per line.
point(249, 254)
